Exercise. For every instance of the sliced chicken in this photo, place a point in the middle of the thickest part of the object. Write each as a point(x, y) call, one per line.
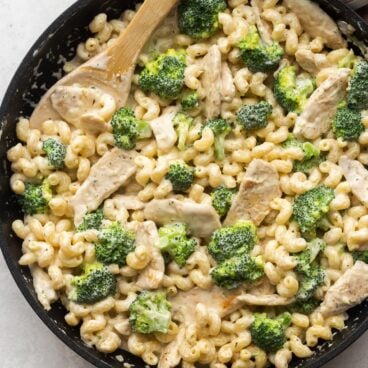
point(43, 287)
point(228, 87)
point(357, 177)
point(316, 22)
point(322, 105)
point(211, 82)
point(129, 202)
point(272, 300)
point(163, 129)
point(347, 292)
point(259, 187)
point(263, 27)
point(311, 62)
point(87, 108)
point(107, 175)
point(151, 277)
point(202, 219)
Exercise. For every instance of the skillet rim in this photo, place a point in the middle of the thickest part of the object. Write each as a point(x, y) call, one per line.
point(78, 346)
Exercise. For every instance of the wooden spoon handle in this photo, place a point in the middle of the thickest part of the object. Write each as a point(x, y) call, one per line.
point(124, 52)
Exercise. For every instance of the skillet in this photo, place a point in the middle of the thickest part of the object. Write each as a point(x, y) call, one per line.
point(38, 69)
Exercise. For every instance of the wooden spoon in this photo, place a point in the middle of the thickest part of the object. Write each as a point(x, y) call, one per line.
point(111, 71)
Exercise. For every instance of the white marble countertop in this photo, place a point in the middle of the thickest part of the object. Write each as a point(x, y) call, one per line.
point(25, 342)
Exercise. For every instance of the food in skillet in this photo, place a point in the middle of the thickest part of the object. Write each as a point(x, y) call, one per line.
point(220, 218)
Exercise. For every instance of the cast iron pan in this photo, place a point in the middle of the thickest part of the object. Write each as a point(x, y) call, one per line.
point(37, 69)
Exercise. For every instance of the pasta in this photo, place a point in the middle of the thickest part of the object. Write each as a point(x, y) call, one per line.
point(56, 247)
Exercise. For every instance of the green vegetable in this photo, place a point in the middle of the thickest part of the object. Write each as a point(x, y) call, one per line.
point(220, 128)
point(347, 123)
point(150, 312)
point(360, 255)
point(164, 76)
point(127, 129)
point(236, 270)
point(199, 18)
point(358, 87)
point(114, 244)
point(292, 92)
point(310, 207)
point(306, 258)
point(269, 333)
point(229, 241)
point(305, 306)
point(181, 176)
point(189, 100)
point(55, 152)
point(182, 122)
point(36, 197)
point(175, 242)
point(253, 117)
point(348, 61)
point(222, 198)
point(257, 55)
point(96, 283)
point(92, 220)
point(312, 155)
point(310, 282)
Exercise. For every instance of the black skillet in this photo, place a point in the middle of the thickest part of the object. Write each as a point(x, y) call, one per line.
point(37, 69)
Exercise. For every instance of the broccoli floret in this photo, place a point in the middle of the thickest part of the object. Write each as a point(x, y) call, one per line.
point(358, 87)
point(292, 92)
point(181, 176)
point(220, 128)
point(309, 254)
point(347, 123)
point(127, 129)
point(55, 152)
point(222, 198)
point(182, 122)
point(269, 333)
point(35, 198)
point(236, 270)
point(199, 18)
point(175, 242)
point(305, 306)
point(114, 244)
point(310, 207)
point(312, 155)
point(311, 274)
point(189, 100)
point(164, 76)
point(253, 117)
point(229, 241)
point(150, 312)
point(95, 284)
point(257, 55)
point(360, 255)
point(92, 220)
point(310, 282)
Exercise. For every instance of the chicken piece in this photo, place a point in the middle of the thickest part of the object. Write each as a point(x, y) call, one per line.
point(228, 88)
point(211, 82)
point(129, 202)
point(87, 108)
point(263, 27)
point(311, 62)
point(43, 287)
point(347, 292)
point(151, 276)
point(258, 188)
point(202, 219)
point(316, 22)
point(163, 129)
point(107, 175)
point(272, 300)
point(321, 107)
point(357, 177)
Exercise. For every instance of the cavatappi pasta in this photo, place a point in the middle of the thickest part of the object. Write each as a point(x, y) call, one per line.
point(56, 251)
